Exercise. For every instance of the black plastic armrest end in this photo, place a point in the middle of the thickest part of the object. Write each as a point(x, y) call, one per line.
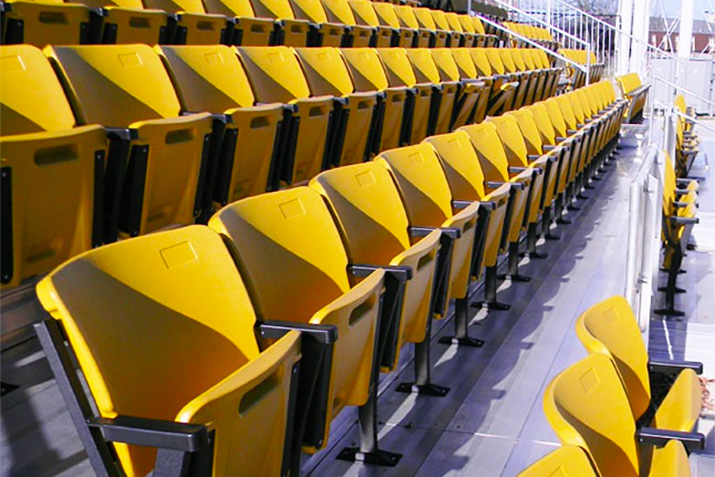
point(488, 205)
point(402, 272)
point(152, 432)
point(461, 204)
point(451, 232)
point(517, 169)
point(340, 100)
point(684, 220)
point(223, 118)
point(122, 134)
point(674, 367)
point(494, 184)
point(274, 329)
point(660, 437)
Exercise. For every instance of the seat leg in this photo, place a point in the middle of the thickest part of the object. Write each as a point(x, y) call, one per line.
point(490, 292)
point(423, 382)
point(546, 225)
point(670, 288)
point(560, 205)
point(461, 327)
point(532, 236)
point(369, 451)
point(513, 265)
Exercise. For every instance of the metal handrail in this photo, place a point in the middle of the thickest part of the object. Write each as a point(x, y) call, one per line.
point(581, 67)
point(548, 25)
point(680, 88)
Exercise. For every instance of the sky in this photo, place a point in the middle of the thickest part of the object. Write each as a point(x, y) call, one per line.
point(672, 8)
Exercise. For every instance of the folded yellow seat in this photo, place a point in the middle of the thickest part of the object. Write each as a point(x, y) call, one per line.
point(403, 37)
point(175, 357)
point(361, 35)
point(375, 229)
point(277, 77)
point(611, 328)
point(325, 32)
point(194, 26)
point(494, 162)
point(288, 30)
point(587, 406)
point(425, 37)
point(248, 30)
point(156, 155)
point(502, 64)
point(442, 38)
point(291, 256)
point(212, 79)
point(356, 114)
point(44, 23)
point(52, 170)
point(384, 36)
point(571, 460)
point(503, 87)
point(394, 103)
point(128, 21)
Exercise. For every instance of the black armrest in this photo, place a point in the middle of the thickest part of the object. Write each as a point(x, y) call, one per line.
point(548, 147)
point(680, 205)
point(337, 100)
point(660, 437)
point(684, 220)
point(571, 131)
point(496, 185)
point(273, 329)
point(220, 117)
point(451, 232)
point(674, 367)
point(293, 108)
point(516, 170)
point(532, 157)
point(145, 432)
point(487, 205)
point(580, 125)
point(461, 204)
point(437, 87)
point(684, 182)
point(122, 134)
point(561, 138)
point(401, 272)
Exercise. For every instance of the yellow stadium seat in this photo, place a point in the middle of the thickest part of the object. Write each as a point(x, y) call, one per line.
point(469, 36)
point(403, 37)
point(289, 31)
point(174, 363)
point(248, 30)
point(472, 93)
point(156, 156)
point(545, 169)
point(302, 277)
point(469, 26)
point(503, 87)
point(611, 328)
point(566, 460)
point(440, 20)
point(384, 36)
point(395, 103)
point(424, 97)
point(424, 37)
point(127, 21)
point(339, 11)
point(326, 33)
point(442, 38)
point(44, 23)
point(375, 229)
point(356, 113)
point(492, 157)
point(211, 78)
point(429, 204)
point(587, 406)
point(193, 25)
point(52, 172)
point(276, 76)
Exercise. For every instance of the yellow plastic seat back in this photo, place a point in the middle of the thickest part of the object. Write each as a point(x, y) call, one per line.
point(481, 62)
point(365, 69)
point(309, 10)
point(175, 342)
point(339, 11)
point(325, 71)
point(587, 406)
point(490, 151)
point(373, 223)
point(611, 328)
point(543, 123)
point(273, 9)
point(529, 130)
point(464, 62)
point(364, 12)
point(496, 60)
point(511, 138)
point(232, 8)
point(207, 78)
point(406, 16)
point(566, 460)
point(38, 102)
point(556, 117)
point(428, 202)
point(275, 73)
point(291, 254)
point(424, 17)
point(398, 67)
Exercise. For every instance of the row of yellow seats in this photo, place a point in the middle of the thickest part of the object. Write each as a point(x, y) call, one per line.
point(582, 57)
point(596, 407)
point(197, 331)
point(636, 92)
point(540, 35)
point(273, 116)
point(358, 23)
point(686, 141)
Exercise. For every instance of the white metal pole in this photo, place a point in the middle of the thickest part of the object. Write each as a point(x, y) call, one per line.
point(685, 38)
point(626, 12)
point(641, 25)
